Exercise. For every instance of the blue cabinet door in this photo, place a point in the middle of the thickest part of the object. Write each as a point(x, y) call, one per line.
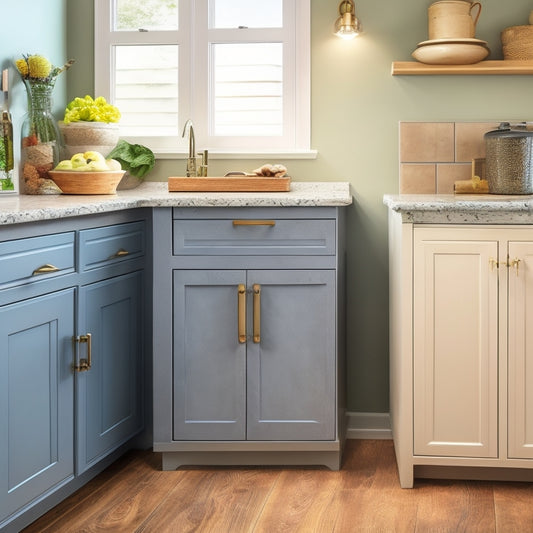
point(110, 394)
point(36, 398)
point(291, 362)
point(209, 361)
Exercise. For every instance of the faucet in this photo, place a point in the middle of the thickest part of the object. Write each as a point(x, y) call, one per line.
point(191, 159)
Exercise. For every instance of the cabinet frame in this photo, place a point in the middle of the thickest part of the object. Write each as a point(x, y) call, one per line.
point(402, 310)
point(179, 452)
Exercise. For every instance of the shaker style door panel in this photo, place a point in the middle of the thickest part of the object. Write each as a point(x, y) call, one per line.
point(109, 393)
point(291, 355)
point(209, 361)
point(455, 345)
point(36, 398)
point(520, 357)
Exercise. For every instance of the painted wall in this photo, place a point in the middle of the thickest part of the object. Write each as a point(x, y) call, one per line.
point(33, 27)
point(356, 108)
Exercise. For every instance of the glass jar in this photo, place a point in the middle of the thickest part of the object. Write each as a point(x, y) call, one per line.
point(41, 143)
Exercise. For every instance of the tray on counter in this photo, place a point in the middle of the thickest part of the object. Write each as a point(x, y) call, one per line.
point(229, 184)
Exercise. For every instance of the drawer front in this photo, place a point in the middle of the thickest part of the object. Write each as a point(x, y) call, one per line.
point(110, 244)
point(254, 237)
point(24, 260)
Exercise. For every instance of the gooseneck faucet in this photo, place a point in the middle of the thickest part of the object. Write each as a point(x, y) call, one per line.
point(191, 159)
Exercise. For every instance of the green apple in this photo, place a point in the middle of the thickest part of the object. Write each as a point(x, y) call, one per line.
point(66, 164)
point(113, 164)
point(96, 166)
point(78, 160)
point(93, 156)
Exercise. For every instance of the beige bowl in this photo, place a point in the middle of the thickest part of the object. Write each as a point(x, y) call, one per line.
point(451, 53)
point(72, 182)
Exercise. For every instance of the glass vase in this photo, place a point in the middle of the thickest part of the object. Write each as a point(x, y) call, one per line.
point(40, 139)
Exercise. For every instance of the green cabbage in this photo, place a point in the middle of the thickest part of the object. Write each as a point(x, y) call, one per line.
point(138, 160)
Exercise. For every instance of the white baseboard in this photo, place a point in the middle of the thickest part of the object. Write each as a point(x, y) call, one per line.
point(368, 426)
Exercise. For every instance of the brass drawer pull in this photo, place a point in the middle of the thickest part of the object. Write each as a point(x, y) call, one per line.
point(120, 253)
point(254, 222)
point(241, 290)
point(257, 313)
point(85, 364)
point(45, 269)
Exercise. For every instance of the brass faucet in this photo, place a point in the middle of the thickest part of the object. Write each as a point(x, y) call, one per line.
point(191, 159)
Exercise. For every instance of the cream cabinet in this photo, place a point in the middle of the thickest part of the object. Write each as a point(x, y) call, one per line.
point(461, 349)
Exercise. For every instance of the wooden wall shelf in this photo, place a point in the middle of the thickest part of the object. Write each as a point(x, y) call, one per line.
point(501, 68)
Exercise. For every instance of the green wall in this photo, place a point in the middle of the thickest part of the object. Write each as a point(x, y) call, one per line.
point(356, 107)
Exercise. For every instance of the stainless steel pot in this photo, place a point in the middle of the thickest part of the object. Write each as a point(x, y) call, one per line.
point(509, 159)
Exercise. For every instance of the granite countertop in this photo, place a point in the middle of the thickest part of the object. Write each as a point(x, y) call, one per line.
point(462, 209)
point(27, 208)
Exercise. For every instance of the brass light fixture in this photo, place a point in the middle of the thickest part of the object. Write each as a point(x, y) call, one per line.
point(347, 26)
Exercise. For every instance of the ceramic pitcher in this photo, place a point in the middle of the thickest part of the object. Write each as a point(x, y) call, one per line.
point(453, 19)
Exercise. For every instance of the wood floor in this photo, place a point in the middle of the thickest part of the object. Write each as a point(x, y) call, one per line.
point(134, 495)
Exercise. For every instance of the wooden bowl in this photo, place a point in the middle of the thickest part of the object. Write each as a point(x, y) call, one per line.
point(72, 182)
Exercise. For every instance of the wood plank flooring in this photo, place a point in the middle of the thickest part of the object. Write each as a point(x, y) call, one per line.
point(133, 495)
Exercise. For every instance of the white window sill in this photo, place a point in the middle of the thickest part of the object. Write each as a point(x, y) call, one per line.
point(274, 155)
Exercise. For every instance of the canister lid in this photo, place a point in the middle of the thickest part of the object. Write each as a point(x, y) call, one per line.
point(505, 129)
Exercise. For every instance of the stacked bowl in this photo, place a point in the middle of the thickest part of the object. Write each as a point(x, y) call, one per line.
point(452, 27)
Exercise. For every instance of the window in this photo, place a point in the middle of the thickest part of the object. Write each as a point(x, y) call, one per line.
point(238, 68)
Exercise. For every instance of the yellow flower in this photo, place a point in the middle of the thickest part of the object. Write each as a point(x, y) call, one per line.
point(22, 67)
point(39, 66)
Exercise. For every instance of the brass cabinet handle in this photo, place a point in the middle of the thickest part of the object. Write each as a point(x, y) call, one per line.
point(254, 222)
point(120, 253)
point(45, 269)
point(515, 263)
point(85, 364)
point(257, 312)
point(241, 290)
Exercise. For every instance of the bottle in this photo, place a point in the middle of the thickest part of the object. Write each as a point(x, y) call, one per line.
point(6, 153)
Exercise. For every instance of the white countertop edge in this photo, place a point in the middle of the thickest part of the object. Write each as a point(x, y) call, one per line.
point(29, 208)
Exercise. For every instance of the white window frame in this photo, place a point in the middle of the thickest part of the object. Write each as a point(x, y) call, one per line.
point(196, 84)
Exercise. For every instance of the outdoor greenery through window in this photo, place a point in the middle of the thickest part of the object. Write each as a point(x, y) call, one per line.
point(238, 68)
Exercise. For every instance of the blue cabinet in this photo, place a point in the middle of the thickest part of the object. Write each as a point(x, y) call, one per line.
point(36, 398)
point(248, 328)
point(275, 383)
point(109, 400)
point(71, 354)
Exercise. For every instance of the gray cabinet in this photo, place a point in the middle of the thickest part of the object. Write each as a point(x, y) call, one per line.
point(248, 363)
point(71, 355)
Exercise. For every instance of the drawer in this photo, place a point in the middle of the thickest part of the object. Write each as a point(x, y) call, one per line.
point(30, 259)
point(111, 244)
point(254, 237)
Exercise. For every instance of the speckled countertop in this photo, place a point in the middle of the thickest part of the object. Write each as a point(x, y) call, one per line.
point(462, 209)
point(26, 208)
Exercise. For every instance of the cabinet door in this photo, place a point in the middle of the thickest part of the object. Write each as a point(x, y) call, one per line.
point(209, 360)
point(291, 368)
point(109, 394)
point(520, 356)
point(455, 344)
point(36, 398)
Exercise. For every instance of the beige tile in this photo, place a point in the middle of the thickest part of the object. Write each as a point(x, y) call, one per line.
point(447, 174)
point(417, 179)
point(469, 142)
point(425, 142)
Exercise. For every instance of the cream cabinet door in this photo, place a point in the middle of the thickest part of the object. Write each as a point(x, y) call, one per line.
point(520, 356)
point(455, 325)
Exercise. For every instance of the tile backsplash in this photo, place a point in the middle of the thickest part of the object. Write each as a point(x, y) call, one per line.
point(433, 155)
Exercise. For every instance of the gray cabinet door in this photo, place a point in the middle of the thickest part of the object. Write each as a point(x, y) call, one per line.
point(292, 367)
point(36, 398)
point(109, 394)
point(209, 361)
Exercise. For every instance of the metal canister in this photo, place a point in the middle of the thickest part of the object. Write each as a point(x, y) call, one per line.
point(509, 159)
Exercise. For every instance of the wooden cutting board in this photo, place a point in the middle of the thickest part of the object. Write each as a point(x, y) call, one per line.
point(229, 184)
